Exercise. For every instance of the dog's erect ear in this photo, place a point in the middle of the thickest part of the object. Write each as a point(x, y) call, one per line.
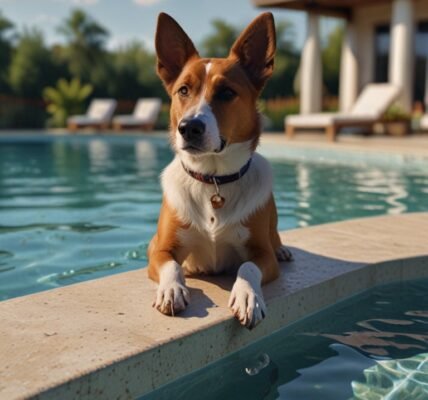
point(255, 49)
point(173, 48)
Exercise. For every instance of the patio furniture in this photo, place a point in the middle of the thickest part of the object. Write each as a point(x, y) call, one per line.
point(424, 122)
point(144, 116)
point(367, 110)
point(99, 114)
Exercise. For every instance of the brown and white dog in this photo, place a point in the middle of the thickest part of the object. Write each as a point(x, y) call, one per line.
point(218, 213)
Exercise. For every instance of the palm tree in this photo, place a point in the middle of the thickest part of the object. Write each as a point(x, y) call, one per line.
point(85, 43)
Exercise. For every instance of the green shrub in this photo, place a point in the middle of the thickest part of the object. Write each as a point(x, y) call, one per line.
point(396, 113)
point(276, 110)
point(68, 98)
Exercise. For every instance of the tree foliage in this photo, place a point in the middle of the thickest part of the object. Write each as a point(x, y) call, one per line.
point(86, 40)
point(220, 41)
point(134, 72)
point(27, 65)
point(331, 55)
point(286, 62)
point(6, 27)
point(31, 66)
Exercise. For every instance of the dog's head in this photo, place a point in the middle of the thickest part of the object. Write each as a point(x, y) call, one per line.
point(213, 100)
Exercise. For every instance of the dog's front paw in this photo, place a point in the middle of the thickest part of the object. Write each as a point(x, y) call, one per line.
point(283, 254)
point(247, 306)
point(172, 298)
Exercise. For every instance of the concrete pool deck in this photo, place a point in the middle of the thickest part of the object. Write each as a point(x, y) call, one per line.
point(414, 145)
point(102, 339)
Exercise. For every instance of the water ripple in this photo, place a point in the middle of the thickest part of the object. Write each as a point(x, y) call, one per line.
point(73, 209)
point(82, 227)
point(73, 275)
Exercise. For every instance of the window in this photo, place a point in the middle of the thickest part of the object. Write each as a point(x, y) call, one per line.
point(421, 64)
point(382, 44)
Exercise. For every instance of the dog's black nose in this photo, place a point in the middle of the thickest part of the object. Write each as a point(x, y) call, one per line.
point(191, 128)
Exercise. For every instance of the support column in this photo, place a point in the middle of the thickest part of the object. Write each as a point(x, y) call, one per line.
point(311, 69)
point(348, 87)
point(401, 54)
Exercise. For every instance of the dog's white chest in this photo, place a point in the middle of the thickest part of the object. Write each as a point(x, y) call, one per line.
point(215, 240)
point(212, 249)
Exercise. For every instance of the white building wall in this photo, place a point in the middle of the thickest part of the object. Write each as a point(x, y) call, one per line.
point(366, 19)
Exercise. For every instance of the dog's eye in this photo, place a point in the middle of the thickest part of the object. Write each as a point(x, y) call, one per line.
point(183, 91)
point(225, 94)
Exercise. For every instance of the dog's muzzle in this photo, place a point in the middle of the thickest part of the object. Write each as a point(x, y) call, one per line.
point(192, 130)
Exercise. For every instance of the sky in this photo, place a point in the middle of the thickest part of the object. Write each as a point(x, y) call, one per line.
point(129, 20)
point(136, 19)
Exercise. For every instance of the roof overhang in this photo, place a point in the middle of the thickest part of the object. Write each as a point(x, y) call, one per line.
point(336, 8)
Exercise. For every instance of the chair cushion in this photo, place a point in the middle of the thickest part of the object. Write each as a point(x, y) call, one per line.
point(375, 100)
point(101, 109)
point(147, 109)
point(310, 120)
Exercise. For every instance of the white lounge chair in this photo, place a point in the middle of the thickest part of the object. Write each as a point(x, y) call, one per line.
point(424, 122)
point(99, 115)
point(145, 114)
point(368, 109)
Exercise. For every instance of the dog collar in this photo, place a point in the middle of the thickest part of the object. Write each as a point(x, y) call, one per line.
point(217, 200)
point(218, 179)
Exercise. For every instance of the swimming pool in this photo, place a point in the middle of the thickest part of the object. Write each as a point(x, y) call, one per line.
point(77, 208)
point(371, 346)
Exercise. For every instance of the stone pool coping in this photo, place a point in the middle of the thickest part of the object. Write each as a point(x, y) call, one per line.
point(102, 339)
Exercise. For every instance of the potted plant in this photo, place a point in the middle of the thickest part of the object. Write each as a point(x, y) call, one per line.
point(397, 122)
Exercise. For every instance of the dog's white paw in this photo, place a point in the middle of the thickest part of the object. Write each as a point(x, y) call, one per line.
point(246, 305)
point(246, 299)
point(283, 254)
point(172, 295)
point(172, 298)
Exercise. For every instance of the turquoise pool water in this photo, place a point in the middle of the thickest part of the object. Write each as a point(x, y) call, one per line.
point(370, 347)
point(77, 208)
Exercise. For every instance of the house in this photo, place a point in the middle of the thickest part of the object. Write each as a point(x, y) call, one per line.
point(385, 41)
